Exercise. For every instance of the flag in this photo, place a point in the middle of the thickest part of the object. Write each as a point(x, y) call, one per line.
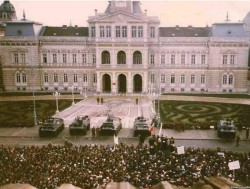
point(116, 139)
point(151, 128)
point(160, 131)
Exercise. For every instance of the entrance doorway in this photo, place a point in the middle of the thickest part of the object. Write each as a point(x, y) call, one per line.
point(137, 83)
point(122, 84)
point(106, 83)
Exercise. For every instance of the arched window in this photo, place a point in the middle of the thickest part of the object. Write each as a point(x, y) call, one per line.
point(121, 57)
point(230, 79)
point(18, 77)
point(105, 57)
point(224, 79)
point(137, 57)
point(24, 79)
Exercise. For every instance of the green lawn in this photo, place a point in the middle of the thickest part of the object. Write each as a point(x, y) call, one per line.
point(201, 114)
point(210, 95)
point(20, 113)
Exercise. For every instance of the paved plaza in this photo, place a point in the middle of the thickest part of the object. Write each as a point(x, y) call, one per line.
point(122, 107)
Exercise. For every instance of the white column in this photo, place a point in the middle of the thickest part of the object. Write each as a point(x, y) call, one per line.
point(145, 82)
point(129, 84)
point(113, 80)
point(99, 82)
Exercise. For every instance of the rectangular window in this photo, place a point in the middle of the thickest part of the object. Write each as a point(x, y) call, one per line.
point(224, 59)
point(163, 60)
point(203, 59)
point(102, 34)
point(75, 78)
point(124, 31)
point(74, 58)
point(192, 79)
point(163, 79)
point(46, 78)
point(192, 59)
point(152, 78)
point(85, 78)
point(24, 78)
point(152, 59)
point(54, 58)
point(84, 58)
point(16, 58)
point(55, 78)
point(172, 79)
point(152, 31)
point(95, 78)
point(140, 31)
point(23, 58)
point(94, 58)
point(172, 59)
point(64, 58)
point(134, 31)
point(108, 31)
point(92, 31)
point(232, 59)
point(45, 59)
point(183, 58)
point(182, 79)
point(202, 79)
point(118, 31)
point(65, 78)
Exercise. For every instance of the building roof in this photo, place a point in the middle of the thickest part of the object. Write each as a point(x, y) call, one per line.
point(65, 31)
point(6, 6)
point(229, 29)
point(184, 31)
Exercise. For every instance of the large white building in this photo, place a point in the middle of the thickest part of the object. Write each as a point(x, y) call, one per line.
point(125, 50)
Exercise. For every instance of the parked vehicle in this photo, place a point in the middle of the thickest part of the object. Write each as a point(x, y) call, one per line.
point(226, 128)
point(51, 127)
point(141, 126)
point(112, 125)
point(80, 125)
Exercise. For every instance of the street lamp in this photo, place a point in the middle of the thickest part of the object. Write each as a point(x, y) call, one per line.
point(73, 100)
point(85, 90)
point(33, 90)
point(56, 94)
point(33, 98)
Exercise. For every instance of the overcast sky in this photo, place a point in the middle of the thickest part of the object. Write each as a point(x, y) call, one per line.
point(170, 13)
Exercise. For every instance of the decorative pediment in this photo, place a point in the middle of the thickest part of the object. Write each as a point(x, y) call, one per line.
point(121, 17)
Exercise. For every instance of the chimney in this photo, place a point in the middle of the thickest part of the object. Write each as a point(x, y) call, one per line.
point(177, 27)
point(190, 27)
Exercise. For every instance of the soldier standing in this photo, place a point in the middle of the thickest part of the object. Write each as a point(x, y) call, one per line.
point(93, 132)
point(98, 100)
point(247, 132)
point(237, 139)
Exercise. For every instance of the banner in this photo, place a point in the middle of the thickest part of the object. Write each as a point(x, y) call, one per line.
point(234, 165)
point(116, 140)
point(180, 150)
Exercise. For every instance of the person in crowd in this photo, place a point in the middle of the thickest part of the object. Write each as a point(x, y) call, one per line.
point(237, 139)
point(93, 130)
point(93, 166)
point(247, 132)
point(98, 100)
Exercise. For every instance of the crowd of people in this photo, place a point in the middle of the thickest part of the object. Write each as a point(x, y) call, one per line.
point(92, 166)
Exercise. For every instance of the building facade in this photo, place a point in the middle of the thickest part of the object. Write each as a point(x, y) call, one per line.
point(123, 50)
